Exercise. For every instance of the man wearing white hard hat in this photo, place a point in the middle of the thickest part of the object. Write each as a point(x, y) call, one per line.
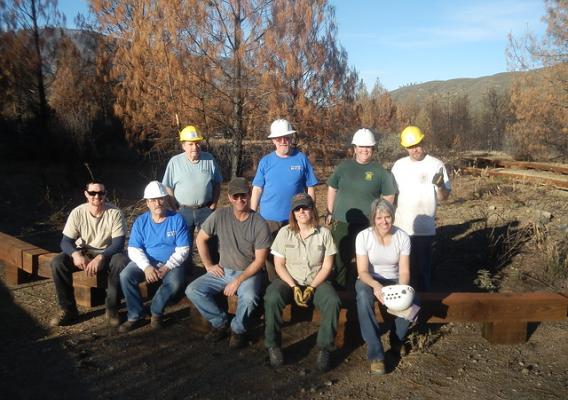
point(159, 246)
point(351, 189)
point(194, 179)
point(280, 175)
point(422, 182)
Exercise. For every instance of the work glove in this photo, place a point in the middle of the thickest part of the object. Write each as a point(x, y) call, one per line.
point(308, 294)
point(438, 178)
point(299, 297)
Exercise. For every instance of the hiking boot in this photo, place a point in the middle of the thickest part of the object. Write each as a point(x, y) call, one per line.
point(378, 367)
point(275, 356)
point(156, 322)
point(237, 341)
point(112, 317)
point(130, 325)
point(65, 317)
point(216, 334)
point(323, 360)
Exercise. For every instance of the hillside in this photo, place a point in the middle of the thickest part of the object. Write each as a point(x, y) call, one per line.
point(473, 87)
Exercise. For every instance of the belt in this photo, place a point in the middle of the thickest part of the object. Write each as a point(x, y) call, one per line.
point(195, 206)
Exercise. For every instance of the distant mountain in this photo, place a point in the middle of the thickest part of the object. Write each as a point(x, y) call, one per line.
point(473, 87)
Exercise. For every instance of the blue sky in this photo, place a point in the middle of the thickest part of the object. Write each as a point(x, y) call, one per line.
point(413, 41)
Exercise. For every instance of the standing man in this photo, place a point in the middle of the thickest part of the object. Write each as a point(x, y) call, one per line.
point(93, 241)
point(279, 176)
point(244, 242)
point(158, 247)
point(194, 179)
point(422, 181)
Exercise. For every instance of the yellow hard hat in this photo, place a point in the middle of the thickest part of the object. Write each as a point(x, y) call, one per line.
point(411, 136)
point(190, 134)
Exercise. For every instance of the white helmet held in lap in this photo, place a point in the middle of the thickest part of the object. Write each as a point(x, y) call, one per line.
point(398, 297)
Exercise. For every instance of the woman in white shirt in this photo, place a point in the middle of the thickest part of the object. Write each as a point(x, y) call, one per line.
point(382, 259)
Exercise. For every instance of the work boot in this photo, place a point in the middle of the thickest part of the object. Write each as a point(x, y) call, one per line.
point(112, 317)
point(378, 367)
point(65, 317)
point(217, 334)
point(276, 357)
point(323, 361)
point(399, 349)
point(237, 341)
point(157, 322)
point(130, 325)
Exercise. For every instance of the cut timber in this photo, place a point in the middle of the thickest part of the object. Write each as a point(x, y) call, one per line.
point(505, 332)
point(11, 249)
point(89, 296)
point(552, 167)
point(96, 281)
point(30, 260)
point(524, 176)
point(14, 275)
point(44, 264)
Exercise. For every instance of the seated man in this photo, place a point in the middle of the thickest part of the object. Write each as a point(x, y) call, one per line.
point(158, 247)
point(93, 241)
point(244, 240)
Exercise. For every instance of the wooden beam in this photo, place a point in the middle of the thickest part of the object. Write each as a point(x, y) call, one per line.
point(96, 281)
point(44, 264)
point(30, 259)
point(89, 296)
point(11, 249)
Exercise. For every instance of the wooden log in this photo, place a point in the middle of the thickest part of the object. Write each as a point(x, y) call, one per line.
point(44, 264)
point(30, 260)
point(505, 332)
point(89, 296)
point(96, 281)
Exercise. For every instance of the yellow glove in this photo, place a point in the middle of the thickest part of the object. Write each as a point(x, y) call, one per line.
point(438, 178)
point(298, 297)
point(308, 294)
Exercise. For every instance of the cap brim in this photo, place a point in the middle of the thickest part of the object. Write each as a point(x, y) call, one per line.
point(271, 136)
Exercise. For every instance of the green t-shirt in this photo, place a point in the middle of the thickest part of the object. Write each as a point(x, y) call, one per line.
point(357, 186)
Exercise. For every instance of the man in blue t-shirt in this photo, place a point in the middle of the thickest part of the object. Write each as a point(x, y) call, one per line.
point(158, 247)
point(280, 175)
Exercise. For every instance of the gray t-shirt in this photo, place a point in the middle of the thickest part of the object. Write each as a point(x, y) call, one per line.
point(238, 240)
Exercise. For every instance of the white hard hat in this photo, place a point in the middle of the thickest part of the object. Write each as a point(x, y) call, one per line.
point(279, 128)
point(398, 297)
point(364, 137)
point(155, 190)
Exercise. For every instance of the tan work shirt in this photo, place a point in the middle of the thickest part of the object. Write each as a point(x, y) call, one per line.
point(304, 257)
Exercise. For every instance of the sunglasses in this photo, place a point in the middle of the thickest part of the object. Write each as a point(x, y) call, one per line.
point(240, 196)
point(308, 208)
point(94, 193)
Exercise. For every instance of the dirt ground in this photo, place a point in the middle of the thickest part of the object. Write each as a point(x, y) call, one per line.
point(493, 236)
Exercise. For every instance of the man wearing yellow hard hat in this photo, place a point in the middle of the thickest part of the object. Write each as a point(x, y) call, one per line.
point(194, 179)
point(422, 182)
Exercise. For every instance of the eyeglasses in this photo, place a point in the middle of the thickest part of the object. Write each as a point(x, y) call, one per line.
point(283, 139)
point(306, 208)
point(157, 200)
point(95, 193)
point(241, 196)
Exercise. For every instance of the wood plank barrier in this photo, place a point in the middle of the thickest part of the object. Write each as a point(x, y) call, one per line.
point(504, 317)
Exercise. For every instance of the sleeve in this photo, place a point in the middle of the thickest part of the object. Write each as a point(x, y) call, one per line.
point(333, 180)
point(263, 239)
point(68, 245)
point(217, 177)
point(209, 226)
point(278, 247)
point(330, 248)
point(118, 224)
point(167, 180)
point(116, 246)
point(138, 257)
point(404, 244)
point(446, 179)
point(388, 184)
point(71, 229)
point(360, 247)
point(135, 235)
point(260, 171)
point(311, 179)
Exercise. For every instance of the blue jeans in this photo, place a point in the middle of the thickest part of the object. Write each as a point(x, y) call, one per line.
point(201, 292)
point(421, 262)
point(370, 329)
point(132, 276)
point(194, 218)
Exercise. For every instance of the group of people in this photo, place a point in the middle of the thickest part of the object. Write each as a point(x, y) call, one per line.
point(273, 226)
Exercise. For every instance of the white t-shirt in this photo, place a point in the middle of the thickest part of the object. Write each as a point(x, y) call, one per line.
point(383, 260)
point(417, 201)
